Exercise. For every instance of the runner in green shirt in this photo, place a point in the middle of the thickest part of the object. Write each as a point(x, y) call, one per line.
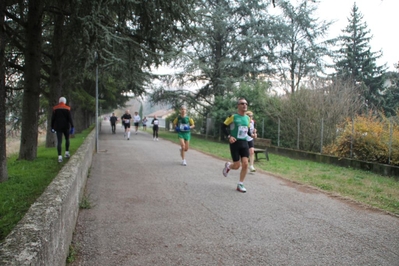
point(239, 129)
point(183, 124)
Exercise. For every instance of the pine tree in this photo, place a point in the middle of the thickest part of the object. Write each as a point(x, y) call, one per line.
point(357, 63)
point(301, 51)
point(391, 94)
point(3, 155)
point(231, 41)
point(54, 43)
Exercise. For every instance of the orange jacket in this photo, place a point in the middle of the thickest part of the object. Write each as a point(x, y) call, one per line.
point(61, 117)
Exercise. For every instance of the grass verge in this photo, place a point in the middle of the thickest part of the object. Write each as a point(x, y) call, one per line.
point(27, 180)
point(361, 186)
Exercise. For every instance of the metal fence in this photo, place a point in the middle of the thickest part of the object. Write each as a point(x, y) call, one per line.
point(305, 135)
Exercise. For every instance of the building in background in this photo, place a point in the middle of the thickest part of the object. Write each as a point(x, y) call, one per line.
point(162, 115)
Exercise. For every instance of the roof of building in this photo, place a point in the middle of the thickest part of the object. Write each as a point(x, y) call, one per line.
point(161, 113)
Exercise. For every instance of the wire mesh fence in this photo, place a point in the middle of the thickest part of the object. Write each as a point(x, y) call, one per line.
point(319, 135)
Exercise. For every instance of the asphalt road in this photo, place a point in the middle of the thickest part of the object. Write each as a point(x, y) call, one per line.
point(147, 209)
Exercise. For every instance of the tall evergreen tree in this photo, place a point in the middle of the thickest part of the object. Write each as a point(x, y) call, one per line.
point(3, 155)
point(391, 94)
point(230, 42)
point(357, 63)
point(33, 26)
point(301, 49)
point(130, 37)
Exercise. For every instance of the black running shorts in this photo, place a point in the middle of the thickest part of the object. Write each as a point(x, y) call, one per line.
point(239, 149)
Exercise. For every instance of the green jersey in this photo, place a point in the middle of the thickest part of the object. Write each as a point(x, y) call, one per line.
point(183, 122)
point(239, 125)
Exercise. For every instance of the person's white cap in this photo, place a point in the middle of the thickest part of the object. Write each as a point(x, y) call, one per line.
point(62, 100)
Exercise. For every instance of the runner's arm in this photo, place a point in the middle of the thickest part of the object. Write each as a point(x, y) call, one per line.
point(226, 124)
point(192, 125)
point(175, 122)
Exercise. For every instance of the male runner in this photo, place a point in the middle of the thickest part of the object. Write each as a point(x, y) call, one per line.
point(126, 118)
point(183, 124)
point(113, 120)
point(239, 125)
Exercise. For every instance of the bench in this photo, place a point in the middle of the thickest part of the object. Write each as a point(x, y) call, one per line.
point(263, 143)
point(264, 151)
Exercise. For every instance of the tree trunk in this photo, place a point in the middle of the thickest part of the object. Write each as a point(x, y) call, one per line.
point(3, 154)
point(55, 74)
point(31, 98)
point(81, 118)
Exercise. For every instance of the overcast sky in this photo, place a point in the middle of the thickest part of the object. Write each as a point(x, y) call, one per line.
point(381, 18)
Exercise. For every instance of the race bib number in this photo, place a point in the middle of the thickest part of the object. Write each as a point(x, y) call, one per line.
point(242, 132)
point(156, 122)
point(183, 126)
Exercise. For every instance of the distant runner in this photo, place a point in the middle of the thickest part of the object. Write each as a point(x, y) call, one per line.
point(183, 124)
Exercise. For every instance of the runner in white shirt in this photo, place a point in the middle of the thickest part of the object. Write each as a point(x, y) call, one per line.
point(251, 142)
point(136, 121)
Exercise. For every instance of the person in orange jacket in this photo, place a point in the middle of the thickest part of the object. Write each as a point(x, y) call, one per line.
point(62, 124)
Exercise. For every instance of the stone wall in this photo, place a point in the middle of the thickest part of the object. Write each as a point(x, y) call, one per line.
point(44, 234)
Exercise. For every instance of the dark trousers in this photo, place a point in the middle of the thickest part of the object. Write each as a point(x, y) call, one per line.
point(113, 127)
point(64, 132)
point(155, 131)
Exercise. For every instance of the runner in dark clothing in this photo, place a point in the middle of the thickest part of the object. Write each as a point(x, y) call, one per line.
point(113, 120)
point(60, 121)
point(126, 118)
point(155, 127)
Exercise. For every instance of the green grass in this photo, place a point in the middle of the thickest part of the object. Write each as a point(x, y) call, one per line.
point(73, 250)
point(361, 186)
point(27, 180)
point(85, 203)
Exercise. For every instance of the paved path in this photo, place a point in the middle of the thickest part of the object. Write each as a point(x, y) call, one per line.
point(150, 210)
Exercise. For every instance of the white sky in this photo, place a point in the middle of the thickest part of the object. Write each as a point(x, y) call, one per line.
point(381, 18)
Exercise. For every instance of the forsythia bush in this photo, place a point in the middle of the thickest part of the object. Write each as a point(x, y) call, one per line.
point(370, 136)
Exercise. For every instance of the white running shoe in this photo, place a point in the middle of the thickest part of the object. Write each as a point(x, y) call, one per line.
point(241, 188)
point(60, 158)
point(226, 169)
point(157, 139)
point(184, 163)
point(67, 155)
point(252, 168)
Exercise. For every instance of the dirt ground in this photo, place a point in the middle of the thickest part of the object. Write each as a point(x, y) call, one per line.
point(13, 143)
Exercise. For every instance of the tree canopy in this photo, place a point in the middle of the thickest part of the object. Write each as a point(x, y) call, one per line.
point(357, 63)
